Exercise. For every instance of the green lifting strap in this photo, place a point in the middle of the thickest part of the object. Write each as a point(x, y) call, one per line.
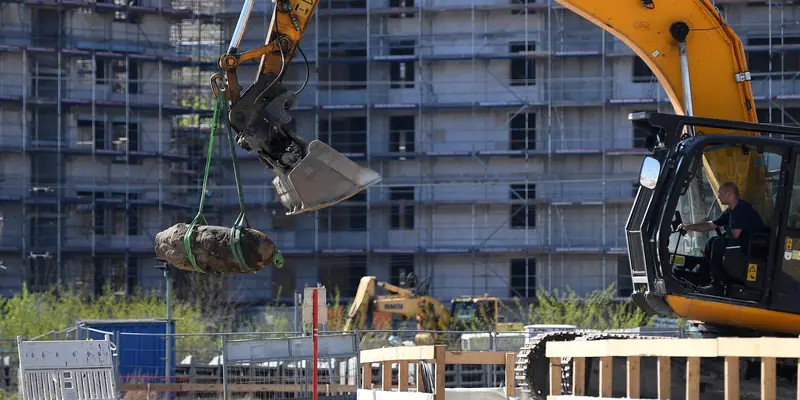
point(234, 240)
point(241, 220)
point(187, 244)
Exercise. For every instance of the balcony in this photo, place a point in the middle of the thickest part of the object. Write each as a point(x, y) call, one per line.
point(452, 239)
point(453, 93)
point(81, 90)
point(106, 40)
point(83, 242)
point(12, 140)
point(15, 187)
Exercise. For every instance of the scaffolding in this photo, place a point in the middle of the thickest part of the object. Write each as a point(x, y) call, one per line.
point(499, 127)
point(93, 129)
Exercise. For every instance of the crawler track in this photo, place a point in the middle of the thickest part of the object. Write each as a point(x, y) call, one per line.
point(532, 366)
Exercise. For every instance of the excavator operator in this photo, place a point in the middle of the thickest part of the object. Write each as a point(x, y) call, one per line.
point(741, 221)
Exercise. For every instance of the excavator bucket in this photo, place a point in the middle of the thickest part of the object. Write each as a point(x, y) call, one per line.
point(321, 179)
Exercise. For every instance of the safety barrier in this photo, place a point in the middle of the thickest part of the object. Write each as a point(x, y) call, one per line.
point(403, 356)
point(67, 369)
point(734, 353)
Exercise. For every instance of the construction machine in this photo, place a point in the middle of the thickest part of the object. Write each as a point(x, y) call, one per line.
point(712, 137)
point(435, 324)
point(310, 175)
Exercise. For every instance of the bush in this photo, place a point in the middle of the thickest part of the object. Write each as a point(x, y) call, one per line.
point(33, 314)
point(597, 310)
point(9, 396)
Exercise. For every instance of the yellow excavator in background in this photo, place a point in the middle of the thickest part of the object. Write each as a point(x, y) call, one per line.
point(435, 324)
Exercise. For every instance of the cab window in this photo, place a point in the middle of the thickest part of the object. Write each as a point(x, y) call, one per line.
point(757, 173)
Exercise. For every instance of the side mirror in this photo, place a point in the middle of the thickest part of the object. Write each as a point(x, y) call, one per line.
point(649, 172)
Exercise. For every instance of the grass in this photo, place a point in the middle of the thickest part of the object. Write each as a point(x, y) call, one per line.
point(9, 396)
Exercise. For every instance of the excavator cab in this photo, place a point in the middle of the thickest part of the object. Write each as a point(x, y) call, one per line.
point(474, 313)
point(668, 265)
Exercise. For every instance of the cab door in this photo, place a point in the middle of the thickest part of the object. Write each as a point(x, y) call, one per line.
point(786, 255)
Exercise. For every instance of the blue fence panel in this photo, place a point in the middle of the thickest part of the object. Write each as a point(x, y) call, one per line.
point(141, 345)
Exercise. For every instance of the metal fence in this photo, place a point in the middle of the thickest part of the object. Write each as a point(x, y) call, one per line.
point(269, 365)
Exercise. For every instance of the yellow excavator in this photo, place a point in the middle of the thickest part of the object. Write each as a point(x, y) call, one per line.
point(411, 301)
point(712, 137)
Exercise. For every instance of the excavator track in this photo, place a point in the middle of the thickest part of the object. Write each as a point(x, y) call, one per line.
point(532, 365)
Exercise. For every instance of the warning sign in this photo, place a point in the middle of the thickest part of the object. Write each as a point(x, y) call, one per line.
point(752, 272)
point(788, 244)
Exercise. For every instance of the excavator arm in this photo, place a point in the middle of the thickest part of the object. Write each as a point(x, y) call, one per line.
point(429, 312)
point(700, 62)
point(309, 175)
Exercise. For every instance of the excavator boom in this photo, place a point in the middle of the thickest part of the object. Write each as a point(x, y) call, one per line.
point(717, 63)
point(309, 175)
point(712, 74)
point(430, 313)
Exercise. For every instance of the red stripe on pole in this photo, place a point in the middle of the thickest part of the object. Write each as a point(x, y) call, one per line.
point(315, 355)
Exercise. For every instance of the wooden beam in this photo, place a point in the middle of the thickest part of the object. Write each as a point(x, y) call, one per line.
point(759, 347)
point(579, 376)
point(768, 378)
point(511, 383)
point(634, 377)
point(664, 378)
point(606, 376)
point(366, 376)
point(693, 378)
point(402, 376)
point(731, 378)
point(386, 376)
point(399, 353)
point(440, 358)
point(555, 375)
point(720, 347)
point(635, 347)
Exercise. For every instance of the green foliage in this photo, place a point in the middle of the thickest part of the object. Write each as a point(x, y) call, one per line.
point(9, 396)
point(596, 310)
point(32, 314)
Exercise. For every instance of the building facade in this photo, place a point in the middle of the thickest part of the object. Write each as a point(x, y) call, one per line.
point(500, 129)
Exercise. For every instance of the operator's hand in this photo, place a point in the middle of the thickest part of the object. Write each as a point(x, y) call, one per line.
point(683, 227)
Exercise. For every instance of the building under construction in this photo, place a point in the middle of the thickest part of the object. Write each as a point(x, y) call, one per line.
point(500, 130)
